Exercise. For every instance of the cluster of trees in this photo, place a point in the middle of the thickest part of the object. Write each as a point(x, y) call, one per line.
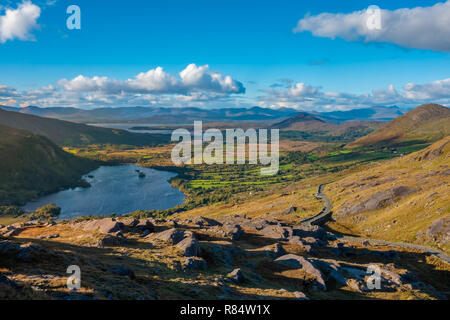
point(11, 211)
point(45, 213)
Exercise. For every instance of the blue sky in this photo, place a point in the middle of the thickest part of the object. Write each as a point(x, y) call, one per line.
point(253, 42)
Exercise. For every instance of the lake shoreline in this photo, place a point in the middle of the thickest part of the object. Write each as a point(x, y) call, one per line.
point(116, 191)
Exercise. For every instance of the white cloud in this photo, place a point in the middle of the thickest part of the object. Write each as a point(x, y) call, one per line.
point(18, 23)
point(194, 86)
point(156, 81)
point(420, 27)
point(306, 97)
point(435, 90)
point(302, 90)
point(202, 78)
point(157, 88)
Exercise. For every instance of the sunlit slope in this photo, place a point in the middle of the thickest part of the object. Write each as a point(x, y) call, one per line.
point(405, 199)
point(427, 123)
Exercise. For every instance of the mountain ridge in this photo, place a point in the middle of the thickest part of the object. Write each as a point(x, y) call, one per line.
point(163, 115)
point(68, 133)
point(426, 123)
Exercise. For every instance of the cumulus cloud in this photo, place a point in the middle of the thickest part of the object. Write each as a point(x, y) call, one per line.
point(419, 27)
point(435, 90)
point(306, 97)
point(156, 81)
point(198, 86)
point(18, 23)
point(193, 86)
point(202, 78)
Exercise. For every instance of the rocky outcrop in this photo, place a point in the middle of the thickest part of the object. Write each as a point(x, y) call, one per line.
point(310, 231)
point(377, 201)
point(299, 262)
point(439, 230)
point(233, 231)
point(144, 225)
point(274, 251)
point(105, 226)
point(23, 252)
point(236, 276)
point(277, 232)
point(129, 222)
point(172, 236)
point(189, 247)
point(112, 241)
point(222, 253)
point(255, 224)
point(432, 153)
point(192, 264)
point(300, 295)
point(299, 242)
point(286, 212)
point(205, 222)
point(10, 231)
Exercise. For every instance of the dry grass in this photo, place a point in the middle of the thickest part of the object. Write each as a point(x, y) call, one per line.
point(405, 218)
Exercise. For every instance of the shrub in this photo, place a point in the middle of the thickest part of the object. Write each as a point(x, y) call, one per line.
point(47, 212)
point(12, 211)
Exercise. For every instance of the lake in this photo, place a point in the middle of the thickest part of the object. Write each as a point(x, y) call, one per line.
point(117, 189)
point(128, 126)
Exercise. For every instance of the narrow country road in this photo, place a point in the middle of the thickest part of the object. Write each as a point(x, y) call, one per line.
point(323, 215)
point(326, 214)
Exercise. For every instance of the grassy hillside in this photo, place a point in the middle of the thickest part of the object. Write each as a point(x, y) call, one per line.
point(427, 123)
point(405, 199)
point(307, 127)
point(32, 165)
point(68, 133)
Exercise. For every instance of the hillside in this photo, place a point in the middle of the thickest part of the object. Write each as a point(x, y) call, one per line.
point(306, 126)
point(68, 133)
point(302, 122)
point(32, 165)
point(225, 255)
point(405, 199)
point(424, 124)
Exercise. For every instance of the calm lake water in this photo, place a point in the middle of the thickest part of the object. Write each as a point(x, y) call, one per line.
point(128, 126)
point(118, 190)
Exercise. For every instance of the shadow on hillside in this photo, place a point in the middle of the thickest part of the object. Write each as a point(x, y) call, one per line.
point(165, 279)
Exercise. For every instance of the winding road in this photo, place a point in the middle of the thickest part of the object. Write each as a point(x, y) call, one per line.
point(326, 214)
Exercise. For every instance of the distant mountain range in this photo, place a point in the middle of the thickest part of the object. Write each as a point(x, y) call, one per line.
point(188, 115)
point(368, 114)
point(69, 133)
point(315, 125)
